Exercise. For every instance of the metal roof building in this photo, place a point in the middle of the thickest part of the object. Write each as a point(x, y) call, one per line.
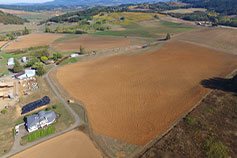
point(25, 74)
point(10, 61)
point(40, 120)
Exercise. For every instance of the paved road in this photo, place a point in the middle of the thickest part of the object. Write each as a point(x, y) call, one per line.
point(18, 148)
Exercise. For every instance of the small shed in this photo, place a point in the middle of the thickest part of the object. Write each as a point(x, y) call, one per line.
point(70, 101)
point(11, 96)
point(10, 62)
point(74, 55)
point(24, 59)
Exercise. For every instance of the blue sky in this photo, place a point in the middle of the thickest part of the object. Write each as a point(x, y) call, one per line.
point(23, 1)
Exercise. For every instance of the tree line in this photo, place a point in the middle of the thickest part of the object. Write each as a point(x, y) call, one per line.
point(224, 7)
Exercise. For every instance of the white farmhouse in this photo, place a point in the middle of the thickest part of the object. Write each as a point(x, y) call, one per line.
point(10, 62)
point(40, 120)
point(25, 74)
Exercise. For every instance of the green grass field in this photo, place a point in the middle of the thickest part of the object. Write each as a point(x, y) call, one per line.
point(67, 37)
point(156, 31)
point(39, 134)
point(69, 60)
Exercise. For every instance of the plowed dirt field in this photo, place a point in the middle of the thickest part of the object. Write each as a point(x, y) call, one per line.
point(91, 43)
point(73, 144)
point(134, 98)
point(33, 40)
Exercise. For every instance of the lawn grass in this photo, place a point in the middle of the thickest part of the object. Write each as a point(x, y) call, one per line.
point(39, 134)
point(7, 56)
point(69, 60)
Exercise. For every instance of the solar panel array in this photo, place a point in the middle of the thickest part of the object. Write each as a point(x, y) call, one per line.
point(32, 106)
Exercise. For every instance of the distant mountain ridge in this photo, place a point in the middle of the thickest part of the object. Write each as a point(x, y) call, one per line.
point(89, 2)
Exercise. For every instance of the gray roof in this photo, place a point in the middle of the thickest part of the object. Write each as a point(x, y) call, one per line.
point(35, 119)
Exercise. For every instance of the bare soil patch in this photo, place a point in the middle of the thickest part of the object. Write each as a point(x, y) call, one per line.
point(92, 43)
point(73, 144)
point(219, 38)
point(2, 43)
point(33, 40)
point(134, 98)
point(214, 121)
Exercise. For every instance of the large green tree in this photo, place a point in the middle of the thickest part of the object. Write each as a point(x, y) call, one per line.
point(17, 67)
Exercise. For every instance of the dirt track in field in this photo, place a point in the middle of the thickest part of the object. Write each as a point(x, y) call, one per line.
point(91, 43)
point(73, 144)
point(134, 98)
point(33, 40)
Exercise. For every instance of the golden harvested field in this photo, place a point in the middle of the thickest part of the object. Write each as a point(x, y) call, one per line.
point(2, 43)
point(134, 98)
point(33, 40)
point(219, 38)
point(91, 43)
point(74, 144)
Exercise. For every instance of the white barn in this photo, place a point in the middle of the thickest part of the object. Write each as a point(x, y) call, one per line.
point(25, 74)
point(10, 62)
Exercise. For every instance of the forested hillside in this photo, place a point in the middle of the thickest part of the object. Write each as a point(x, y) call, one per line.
point(10, 19)
point(227, 7)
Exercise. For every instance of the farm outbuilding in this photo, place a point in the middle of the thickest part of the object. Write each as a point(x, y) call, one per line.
point(10, 62)
point(25, 74)
point(24, 59)
point(74, 55)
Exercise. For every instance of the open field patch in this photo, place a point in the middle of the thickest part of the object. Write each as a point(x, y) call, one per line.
point(134, 98)
point(183, 11)
point(208, 131)
point(219, 38)
point(91, 43)
point(5, 29)
point(17, 12)
point(149, 29)
point(33, 40)
point(73, 144)
point(125, 18)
